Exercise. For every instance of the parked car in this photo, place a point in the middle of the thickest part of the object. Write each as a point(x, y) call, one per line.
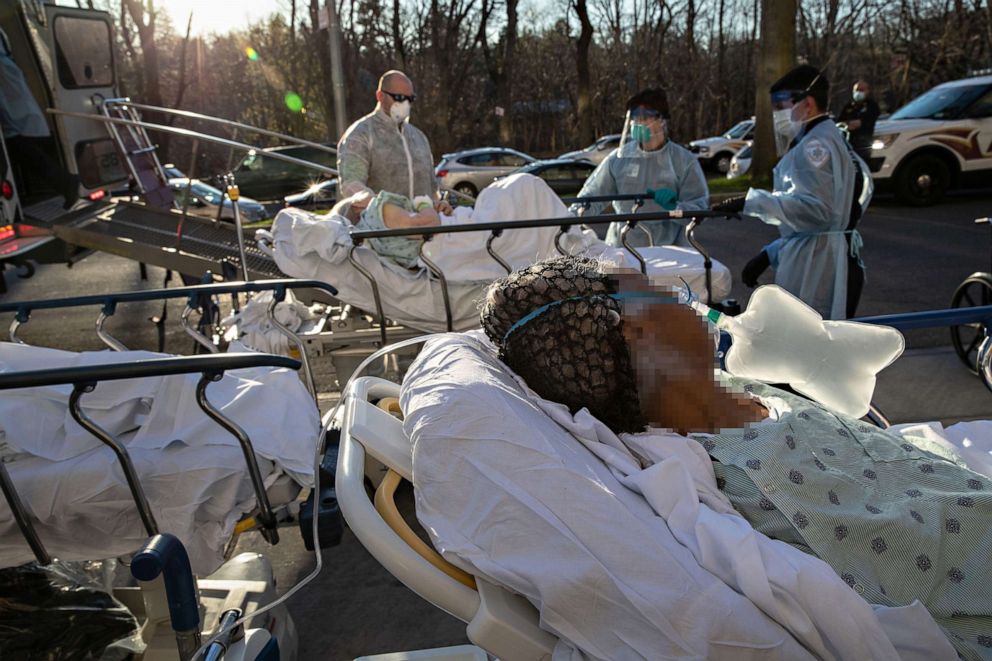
point(271, 179)
point(470, 171)
point(940, 139)
point(740, 163)
point(597, 151)
point(205, 200)
point(322, 195)
point(564, 176)
point(715, 153)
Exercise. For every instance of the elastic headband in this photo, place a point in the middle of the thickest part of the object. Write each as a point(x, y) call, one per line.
point(534, 314)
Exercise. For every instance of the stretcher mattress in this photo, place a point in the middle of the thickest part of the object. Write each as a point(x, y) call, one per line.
point(193, 471)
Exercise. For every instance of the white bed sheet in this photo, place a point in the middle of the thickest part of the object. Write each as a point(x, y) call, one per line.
point(622, 562)
point(316, 247)
point(193, 471)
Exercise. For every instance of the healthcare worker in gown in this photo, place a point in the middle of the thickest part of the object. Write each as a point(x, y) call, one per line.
point(821, 188)
point(647, 160)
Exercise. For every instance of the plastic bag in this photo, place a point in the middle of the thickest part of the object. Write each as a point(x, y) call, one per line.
point(56, 612)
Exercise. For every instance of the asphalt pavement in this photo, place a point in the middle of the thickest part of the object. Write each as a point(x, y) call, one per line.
point(916, 257)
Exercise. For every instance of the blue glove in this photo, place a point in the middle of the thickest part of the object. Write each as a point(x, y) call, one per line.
point(665, 198)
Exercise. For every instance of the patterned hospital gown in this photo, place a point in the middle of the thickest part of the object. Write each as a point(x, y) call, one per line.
point(403, 250)
point(894, 518)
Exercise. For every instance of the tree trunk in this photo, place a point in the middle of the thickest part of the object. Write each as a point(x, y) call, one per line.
point(776, 55)
point(504, 91)
point(584, 96)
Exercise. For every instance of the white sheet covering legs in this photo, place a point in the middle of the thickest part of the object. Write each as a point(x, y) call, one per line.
point(193, 471)
point(310, 246)
point(623, 562)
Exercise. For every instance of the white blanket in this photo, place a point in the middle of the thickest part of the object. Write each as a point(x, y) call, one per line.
point(316, 247)
point(193, 471)
point(622, 561)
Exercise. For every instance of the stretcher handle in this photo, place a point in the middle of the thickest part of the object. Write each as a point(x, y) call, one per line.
point(130, 474)
point(375, 289)
point(22, 518)
point(23, 309)
point(164, 555)
point(615, 197)
point(568, 221)
point(143, 368)
point(436, 270)
point(495, 234)
point(265, 516)
point(631, 224)
point(690, 235)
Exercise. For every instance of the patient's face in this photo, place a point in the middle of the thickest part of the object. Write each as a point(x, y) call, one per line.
point(670, 344)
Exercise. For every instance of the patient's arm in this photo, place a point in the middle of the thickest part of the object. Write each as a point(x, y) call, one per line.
point(396, 217)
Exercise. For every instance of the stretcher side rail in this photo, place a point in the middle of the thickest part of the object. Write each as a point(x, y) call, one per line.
point(84, 379)
point(631, 221)
point(236, 126)
point(196, 295)
point(195, 135)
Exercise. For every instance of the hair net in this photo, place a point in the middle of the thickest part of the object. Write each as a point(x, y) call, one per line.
point(557, 326)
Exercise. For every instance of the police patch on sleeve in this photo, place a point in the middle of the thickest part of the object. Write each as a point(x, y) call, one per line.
point(816, 152)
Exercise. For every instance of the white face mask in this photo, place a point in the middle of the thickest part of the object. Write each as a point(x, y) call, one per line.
point(400, 111)
point(859, 96)
point(785, 129)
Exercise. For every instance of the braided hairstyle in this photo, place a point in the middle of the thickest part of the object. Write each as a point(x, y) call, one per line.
point(570, 348)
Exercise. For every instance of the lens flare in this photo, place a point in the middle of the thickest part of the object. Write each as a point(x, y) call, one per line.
point(251, 53)
point(293, 101)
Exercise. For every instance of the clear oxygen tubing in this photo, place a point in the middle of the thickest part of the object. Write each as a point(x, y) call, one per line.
point(327, 420)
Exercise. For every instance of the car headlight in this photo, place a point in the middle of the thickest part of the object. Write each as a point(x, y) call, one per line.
point(883, 141)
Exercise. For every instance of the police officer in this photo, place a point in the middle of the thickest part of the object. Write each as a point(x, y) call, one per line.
point(648, 160)
point(821, 189)
point(860, 115)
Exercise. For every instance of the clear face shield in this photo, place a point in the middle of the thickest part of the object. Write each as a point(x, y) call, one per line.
point(785, 127)
point(644, 130)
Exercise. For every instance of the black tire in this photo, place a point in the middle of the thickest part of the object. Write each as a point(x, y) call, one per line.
point(974, 291)
point(466, 188)
point(922, 181)
point(721, 162)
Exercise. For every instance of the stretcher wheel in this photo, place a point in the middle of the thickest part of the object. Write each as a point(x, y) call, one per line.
point(974, 291)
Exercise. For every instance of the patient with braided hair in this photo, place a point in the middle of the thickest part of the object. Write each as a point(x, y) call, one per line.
point(898, 518)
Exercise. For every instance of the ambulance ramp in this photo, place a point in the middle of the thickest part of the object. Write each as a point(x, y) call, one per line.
point(161, 237)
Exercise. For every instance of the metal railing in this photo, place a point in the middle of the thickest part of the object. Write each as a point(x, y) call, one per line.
point(197, 296)
point(85, 379)
point(496, 229)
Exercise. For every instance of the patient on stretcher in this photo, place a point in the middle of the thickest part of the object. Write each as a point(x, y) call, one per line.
point(391, 211)
point(898, 520)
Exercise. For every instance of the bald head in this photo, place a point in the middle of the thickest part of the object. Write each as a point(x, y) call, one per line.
point(862, 86)
point(393, 82)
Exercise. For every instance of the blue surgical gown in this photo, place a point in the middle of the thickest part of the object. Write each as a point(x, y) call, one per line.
point(811, 205)
point(631, 170)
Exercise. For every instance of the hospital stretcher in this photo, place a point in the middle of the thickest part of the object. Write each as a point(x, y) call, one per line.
point(374, 447)
point(167, 590)
point(496, 229)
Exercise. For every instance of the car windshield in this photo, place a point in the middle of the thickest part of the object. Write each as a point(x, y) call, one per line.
point(739, 131)
point(206, 193)
point(941, 103)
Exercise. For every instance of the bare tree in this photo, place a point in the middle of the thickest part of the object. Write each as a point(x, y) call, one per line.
point(776, 55)
point(584, 98)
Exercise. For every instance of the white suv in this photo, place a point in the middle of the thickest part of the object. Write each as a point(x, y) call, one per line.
point(717, 151)
point(940, 139)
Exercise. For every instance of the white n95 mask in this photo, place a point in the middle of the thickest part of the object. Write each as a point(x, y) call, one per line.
point(785, 129)
point(400, 111)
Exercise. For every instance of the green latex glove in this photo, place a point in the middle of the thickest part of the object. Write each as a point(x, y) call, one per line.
point(665, 198)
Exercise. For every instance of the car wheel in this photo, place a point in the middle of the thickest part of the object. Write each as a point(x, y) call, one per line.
point(721, 163)
point(922, 181)
point(466, 188)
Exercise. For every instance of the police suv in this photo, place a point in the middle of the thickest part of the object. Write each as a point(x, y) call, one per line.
point(939, 140)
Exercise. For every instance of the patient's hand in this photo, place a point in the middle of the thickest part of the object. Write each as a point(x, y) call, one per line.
point(442, 207)
point(395, 217)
